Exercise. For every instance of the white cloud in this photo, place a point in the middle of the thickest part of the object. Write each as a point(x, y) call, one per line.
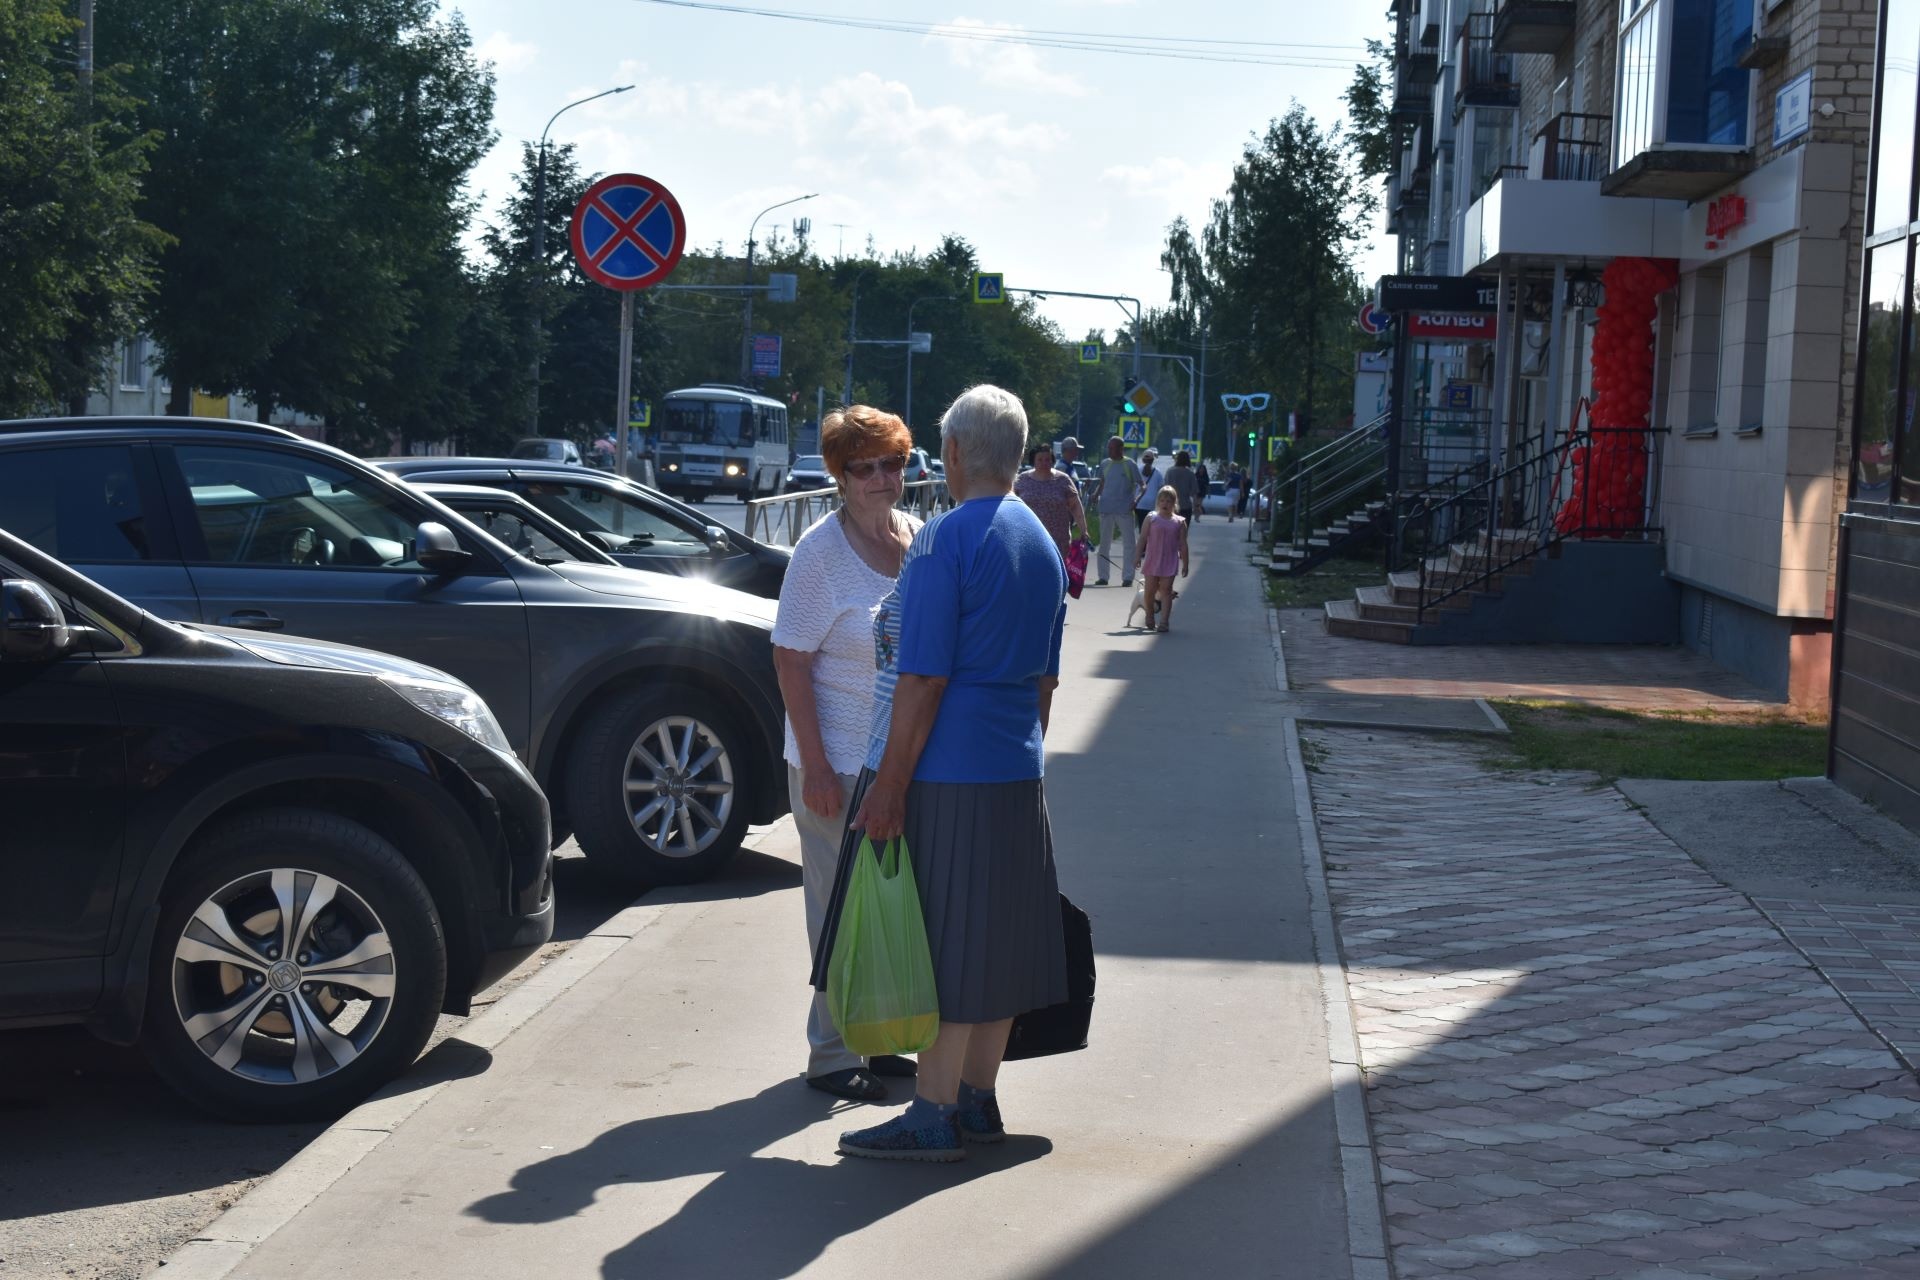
point(506, 53)
point(1182, 186)
point(1002, 65)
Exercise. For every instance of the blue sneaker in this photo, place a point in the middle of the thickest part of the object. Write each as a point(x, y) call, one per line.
point(979, 1120)
point(905, 1137)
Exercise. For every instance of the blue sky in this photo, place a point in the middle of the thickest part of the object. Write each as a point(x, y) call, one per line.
point(1062, 167)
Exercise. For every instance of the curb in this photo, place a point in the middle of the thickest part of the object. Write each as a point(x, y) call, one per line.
point(224, 1243)
point(1366, 1222)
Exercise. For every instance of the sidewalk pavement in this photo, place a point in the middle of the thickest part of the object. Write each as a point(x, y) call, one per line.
point(650, 1121)
point(1586, 1056)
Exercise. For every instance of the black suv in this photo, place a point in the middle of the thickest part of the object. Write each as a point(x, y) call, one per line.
point(645, 705)
point(274, 862)
point(640, 527)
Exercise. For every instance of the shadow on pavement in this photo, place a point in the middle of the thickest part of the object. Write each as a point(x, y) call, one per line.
point(763, 1216)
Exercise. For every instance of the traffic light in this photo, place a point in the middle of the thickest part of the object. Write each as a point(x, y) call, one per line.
point(1126, 400)
point(1253, 440)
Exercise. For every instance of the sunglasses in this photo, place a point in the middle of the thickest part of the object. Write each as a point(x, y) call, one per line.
point(1257, 402)
point(864, 468)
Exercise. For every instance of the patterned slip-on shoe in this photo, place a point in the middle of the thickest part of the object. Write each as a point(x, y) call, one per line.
point(980, 1121)
point(938, 1143)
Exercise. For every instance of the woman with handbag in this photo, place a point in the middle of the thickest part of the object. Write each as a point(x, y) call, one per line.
point(968, 649)
point(842, 568)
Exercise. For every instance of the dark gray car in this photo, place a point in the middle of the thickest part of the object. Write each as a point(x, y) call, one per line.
point(645, 705)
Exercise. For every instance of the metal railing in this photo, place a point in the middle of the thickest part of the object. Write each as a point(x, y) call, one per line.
point(1322, 482)
point(1573, 147)
point(1461, 539)
point(780, 520)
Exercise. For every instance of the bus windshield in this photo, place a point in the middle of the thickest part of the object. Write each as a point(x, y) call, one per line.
point(720, 422)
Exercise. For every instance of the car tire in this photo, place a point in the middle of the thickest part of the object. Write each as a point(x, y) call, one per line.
point(620, 756)
point(315, 1049)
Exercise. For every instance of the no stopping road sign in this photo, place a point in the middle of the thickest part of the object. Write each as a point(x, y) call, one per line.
point(628, 232)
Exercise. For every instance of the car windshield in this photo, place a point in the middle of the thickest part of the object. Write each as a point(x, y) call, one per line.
point(544, 449)
point(722, 422)
point(809, 462)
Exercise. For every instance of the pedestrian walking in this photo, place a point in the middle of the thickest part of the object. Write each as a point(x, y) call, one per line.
point(1246, 489)
point(1236, 488)
point(1163, 549)
point(1202, 482)
point(1151, 478)
point(1184, 482)
point(969, 646)
point(1053, 496)
point(1118, 480)
point(842, 567)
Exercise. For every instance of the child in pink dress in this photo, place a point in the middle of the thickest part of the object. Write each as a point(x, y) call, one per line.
point(1163, 548)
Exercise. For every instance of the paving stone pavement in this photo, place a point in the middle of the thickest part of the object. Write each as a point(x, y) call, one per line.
point(1871, 955)
point(1586, 1057)
point(1628, 677)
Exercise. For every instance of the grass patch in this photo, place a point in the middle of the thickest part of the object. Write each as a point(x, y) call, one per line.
point(1685, 746)
point(1334, 580)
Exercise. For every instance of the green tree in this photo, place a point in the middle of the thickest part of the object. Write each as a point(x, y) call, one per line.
point(1369, 130)
point(1271, 273)
point(309, 167)
point(75, 262)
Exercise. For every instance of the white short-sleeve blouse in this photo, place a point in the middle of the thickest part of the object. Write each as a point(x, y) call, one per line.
point(827, 603)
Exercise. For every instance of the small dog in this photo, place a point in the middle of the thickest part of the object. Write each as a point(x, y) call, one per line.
point(1140, 602)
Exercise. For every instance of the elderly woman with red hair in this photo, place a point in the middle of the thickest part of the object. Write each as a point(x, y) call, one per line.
point(843, 567)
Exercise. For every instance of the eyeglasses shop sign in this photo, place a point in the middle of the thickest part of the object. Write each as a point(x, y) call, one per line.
point(1452, 326)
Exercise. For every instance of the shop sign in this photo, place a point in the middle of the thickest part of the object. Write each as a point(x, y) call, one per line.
point(1452, 326)
point(1725, 215)
point(1438, 293)
point(1793, 108)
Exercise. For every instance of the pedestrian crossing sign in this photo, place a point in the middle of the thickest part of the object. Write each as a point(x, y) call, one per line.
point(1133, 431)
point(1089, 353)
point(1276, 446)
point(1191, 446)
point(640, 415)
point(989, 286)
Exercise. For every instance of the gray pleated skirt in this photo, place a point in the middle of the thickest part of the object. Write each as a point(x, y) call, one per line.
point(983, 860)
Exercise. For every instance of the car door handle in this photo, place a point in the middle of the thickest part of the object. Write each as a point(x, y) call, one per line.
point(252, 620)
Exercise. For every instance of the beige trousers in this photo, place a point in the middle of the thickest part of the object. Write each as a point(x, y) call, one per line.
point(819, 857)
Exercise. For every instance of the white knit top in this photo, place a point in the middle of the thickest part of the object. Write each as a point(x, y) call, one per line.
point(827, 605)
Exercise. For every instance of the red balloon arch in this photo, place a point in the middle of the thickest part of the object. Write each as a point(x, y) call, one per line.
point(1610, 474)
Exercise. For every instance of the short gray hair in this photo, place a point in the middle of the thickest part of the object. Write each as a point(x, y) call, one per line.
point(991, 425)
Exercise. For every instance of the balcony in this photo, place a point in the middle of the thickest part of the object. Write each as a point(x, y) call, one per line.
point(1684, 109)
point(1486, 75)
point(1412, 96)
point(1416, 166)
point(1532, 26)
point(1571, 148)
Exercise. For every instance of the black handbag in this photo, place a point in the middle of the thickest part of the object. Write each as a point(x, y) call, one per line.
point(1061, 1028)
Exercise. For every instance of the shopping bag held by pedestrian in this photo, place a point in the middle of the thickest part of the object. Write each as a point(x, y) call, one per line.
point(880, 980)
point(1077, 551)
point(1063, 1027)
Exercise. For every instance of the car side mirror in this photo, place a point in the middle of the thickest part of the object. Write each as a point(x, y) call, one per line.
point(717, 538)
point(32, 628)
point(436, 550)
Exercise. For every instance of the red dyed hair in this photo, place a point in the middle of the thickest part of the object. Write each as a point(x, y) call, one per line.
point(861, 431)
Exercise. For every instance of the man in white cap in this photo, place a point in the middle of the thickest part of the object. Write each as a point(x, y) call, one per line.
point(1151, 478)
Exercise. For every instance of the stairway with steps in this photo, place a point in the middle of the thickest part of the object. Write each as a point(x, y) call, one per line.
point(1391, 612)
point(1345, 534)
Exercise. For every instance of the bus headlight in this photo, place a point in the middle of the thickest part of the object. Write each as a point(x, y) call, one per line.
point(733, 468)
point(673, 466)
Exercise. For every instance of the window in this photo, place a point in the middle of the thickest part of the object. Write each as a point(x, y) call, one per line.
point(80, 503)
point(1899, 79)
point(590, 509)
point(260, 507)
point(514, 529)
point(134, 354)
point(1679, 82)
point(1879, 396)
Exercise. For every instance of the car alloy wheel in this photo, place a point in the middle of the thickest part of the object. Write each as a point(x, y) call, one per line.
point(679, 786)
point(283, 976)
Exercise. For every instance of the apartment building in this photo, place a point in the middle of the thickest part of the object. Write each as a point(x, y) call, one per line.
point(1541, 141)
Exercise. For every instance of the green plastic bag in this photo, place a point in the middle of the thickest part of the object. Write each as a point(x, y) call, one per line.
point(880, 979)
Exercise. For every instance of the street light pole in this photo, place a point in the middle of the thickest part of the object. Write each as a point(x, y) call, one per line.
point(940, 297)
point(540, 248)
point(746, 336)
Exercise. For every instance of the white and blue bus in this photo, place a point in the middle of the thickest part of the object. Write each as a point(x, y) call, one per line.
point(718, 438)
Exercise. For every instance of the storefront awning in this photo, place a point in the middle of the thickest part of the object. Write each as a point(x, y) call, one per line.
point(1530, 221)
